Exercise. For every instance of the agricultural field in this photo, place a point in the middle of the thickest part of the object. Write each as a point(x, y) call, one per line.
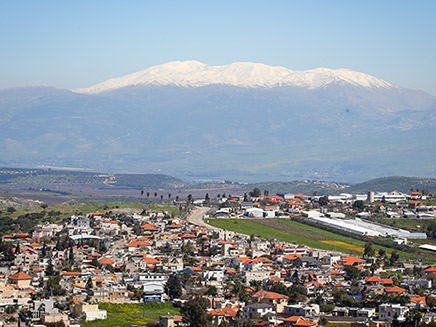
point(295, 232)
point(405, 223)
point(123, 315)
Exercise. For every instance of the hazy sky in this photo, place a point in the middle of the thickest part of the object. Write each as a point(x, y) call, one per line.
point(72, 44)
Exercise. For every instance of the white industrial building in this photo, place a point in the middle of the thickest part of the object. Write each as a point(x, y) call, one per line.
point(362, 227)
point(335, 215)
point(390, 197)
point(254, 212)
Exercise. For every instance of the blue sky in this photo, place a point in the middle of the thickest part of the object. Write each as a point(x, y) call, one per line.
point(73, 44)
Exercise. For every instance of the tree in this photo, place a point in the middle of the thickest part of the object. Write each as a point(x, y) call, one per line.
point(190, 198)
point(110, 268)
point(242, 322)
point(71, 256)
point(323, 201)
point(194, 312)
point(413, 318)
point(95, 263)
point(173, 287)
point(278, 287)
point(369, 251)
point(224, 323)
point(142, 192)
point(323, 321)
point(358, 205)
point(49, 270)
point(8, 254)
point(53, 288)
point(161, 198)
point(212, 290)
point(155, 194)
point(148, 194)
point(352, 273)
point(207, 198)
point(266, 193)
point(394, 258)
point(255, 193)
point(89, 285)
point(256, 284)
point(44, 250)
point(381, 252)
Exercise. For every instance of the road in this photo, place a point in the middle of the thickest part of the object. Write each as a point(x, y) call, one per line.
point(196, 218)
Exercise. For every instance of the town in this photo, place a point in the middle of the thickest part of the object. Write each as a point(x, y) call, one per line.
point(77, 272)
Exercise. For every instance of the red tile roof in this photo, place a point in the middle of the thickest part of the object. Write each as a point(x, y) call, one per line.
point(269, 295)
point(299, 321)
point(20, 276)
point(106, 261)
point(395, 289)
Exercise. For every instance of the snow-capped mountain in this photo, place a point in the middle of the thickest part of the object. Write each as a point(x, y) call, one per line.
point(240, 121)
point(241, 74)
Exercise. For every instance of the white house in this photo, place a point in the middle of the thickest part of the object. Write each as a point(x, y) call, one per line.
point(259, 309)
point(389, 311)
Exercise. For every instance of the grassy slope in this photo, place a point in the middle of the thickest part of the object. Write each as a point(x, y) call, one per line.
point(132, 314)
point(300, 234)
point(405, 223)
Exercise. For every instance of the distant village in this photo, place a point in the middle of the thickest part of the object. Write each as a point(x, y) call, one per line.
point(60, 274)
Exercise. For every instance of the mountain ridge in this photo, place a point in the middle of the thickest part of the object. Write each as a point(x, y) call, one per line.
point(244, 74)
point(44, 176)
point(340, 131)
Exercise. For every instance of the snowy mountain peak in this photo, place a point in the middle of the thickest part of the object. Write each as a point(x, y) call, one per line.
point(243, 74)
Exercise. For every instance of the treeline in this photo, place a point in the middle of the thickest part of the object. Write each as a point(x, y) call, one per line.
point(25, 223)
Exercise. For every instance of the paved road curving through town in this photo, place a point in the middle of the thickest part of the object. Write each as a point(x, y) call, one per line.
point(196, 217)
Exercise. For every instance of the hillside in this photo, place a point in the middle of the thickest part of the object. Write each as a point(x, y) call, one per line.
point(307, 187)
point(246, 122)
point(27, 176)
point(34, 176)
point(384, 184)
point(51, 176)
point(397, 183)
